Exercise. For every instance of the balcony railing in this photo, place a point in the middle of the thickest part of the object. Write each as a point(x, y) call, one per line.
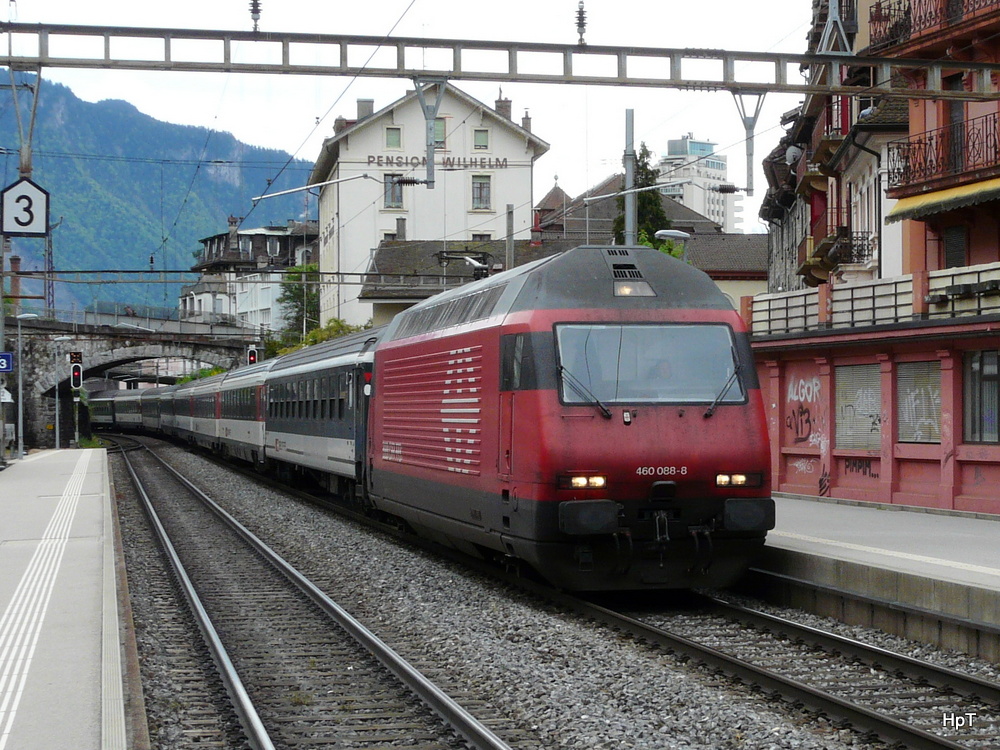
point(952, 150)
point(853, 247)
point(896, 21)
point(831, 224)
point(951, 293)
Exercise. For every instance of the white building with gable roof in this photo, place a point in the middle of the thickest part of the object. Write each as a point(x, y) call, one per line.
point(483, 161)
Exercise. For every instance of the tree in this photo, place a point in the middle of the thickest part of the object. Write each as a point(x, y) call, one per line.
point(300, 299)
point(649, 203)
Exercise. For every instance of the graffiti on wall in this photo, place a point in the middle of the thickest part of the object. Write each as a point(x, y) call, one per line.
point(861, 467)
point(802, 415)
point(804, 465)
point(920, 414)
point(824, 483)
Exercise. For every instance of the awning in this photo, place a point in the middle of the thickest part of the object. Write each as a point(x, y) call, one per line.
point(918, 206)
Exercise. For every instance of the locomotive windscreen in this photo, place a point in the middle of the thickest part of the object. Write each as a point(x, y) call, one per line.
point(648, 363)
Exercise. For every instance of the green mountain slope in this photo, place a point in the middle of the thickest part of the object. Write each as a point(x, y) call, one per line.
point(126, 187)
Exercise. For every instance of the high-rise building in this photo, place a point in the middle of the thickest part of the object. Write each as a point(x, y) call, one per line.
point(697, 172)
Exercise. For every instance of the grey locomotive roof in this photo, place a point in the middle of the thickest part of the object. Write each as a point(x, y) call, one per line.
point(583, 278)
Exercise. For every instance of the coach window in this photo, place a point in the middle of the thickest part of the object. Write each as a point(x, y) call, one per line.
point(858, 401)
point(341, 394)
point(982, 397)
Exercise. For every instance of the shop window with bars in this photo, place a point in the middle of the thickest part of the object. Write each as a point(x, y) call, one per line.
point(981, 406)
point(918, 402)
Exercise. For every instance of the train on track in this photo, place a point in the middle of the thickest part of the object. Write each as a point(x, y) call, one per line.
point(595, 415)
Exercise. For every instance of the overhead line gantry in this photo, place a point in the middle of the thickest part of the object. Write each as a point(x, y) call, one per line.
point(35, 46)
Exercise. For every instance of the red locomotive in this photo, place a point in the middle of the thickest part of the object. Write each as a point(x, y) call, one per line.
point(594, 414)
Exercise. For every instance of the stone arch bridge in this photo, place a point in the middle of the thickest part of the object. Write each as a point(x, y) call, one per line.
point(44, 354)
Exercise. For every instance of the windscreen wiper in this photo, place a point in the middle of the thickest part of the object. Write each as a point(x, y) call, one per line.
point(725, 389)
point(580, 388)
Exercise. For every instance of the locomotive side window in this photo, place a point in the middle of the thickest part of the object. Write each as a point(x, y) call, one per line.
point(517, 363)
point(649, 363)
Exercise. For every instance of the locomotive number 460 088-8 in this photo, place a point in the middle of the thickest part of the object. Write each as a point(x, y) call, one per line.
point(661, 471)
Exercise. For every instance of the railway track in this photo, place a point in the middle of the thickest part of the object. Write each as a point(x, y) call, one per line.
point(298, 668)
point(872, 691)
point(898, 698)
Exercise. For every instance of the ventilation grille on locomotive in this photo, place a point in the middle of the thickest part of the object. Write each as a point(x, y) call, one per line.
point(626, 271)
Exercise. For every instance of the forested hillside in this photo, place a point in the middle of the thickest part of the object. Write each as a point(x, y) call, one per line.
point(125, 187)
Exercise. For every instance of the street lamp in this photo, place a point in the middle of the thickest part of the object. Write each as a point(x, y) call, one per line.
point(58, 339)
point(675, 234)
point(20, 385)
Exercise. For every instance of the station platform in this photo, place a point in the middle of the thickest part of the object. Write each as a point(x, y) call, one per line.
point(925, 574)
point(60, 647)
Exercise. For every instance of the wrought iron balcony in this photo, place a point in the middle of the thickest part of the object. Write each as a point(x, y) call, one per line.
point(962, 148)
point(896, 21)
point(853, 247)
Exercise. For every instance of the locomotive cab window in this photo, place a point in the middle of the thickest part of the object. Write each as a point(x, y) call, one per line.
point(648, 363)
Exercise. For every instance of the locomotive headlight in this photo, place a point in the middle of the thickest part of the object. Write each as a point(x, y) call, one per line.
point(583, 482)
point(739, 480)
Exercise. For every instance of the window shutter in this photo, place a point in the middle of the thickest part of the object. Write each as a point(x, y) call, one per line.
point(954, 247)
point(918, 402)
point(859, 407)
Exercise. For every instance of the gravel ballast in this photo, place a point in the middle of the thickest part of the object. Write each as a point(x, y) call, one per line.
point(570, 682)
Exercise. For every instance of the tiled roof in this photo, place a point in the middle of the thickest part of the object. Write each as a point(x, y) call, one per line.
point(594, 219)
point(722, 253)
point(417, 257)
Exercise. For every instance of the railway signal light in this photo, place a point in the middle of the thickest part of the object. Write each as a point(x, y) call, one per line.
point(252, 356)
point(76, 358)
point(76, 376)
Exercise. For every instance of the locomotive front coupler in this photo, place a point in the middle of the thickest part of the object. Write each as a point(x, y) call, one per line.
point(625, 552)
point(702, 556)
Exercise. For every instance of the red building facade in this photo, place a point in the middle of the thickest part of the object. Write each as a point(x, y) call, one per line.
point(884, 386)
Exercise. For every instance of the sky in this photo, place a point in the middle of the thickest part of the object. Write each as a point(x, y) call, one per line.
point(584, 125)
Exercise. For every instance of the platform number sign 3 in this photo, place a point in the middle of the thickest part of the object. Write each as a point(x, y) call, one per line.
point(24, 207)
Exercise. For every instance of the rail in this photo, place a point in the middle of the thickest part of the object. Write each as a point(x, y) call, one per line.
point(476, 734)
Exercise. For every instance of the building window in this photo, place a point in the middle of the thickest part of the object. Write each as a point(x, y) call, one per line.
point(388, 236)
point(918, 402)
point(954, 241)
point(480, 139)
point(394, 138)
point(393, 191)
point(858, 397)
point(439, 133)
point(982, 398)
point(481, 199)
point(481, 238)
